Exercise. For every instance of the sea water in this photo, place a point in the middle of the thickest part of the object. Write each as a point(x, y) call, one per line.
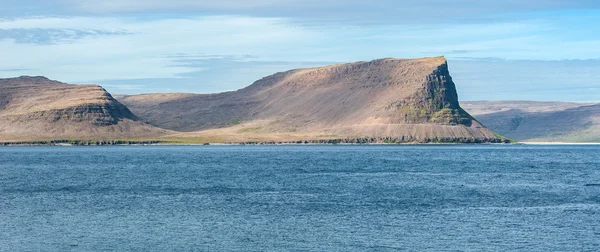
point(300, 198)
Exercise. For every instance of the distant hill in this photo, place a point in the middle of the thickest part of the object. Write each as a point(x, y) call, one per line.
point(385, 100)
point(539, 121)
point(39, 108)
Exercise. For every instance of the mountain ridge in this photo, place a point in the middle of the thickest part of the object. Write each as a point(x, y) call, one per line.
point(381, 101)
point(530, 121)
point(37, 107)
point(402, 99)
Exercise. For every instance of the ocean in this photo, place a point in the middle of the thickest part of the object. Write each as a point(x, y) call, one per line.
point(301, 198)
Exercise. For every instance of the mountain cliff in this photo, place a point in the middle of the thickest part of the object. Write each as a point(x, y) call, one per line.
point(39, 108)
point(390, 100)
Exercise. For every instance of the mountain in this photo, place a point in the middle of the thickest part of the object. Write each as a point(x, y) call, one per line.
point(385, 100)
point(39, 108)
point(530, 121)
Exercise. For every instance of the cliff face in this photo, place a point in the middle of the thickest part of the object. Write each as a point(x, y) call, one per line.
point(396, 99)
point(36, 107)
point(435, 102)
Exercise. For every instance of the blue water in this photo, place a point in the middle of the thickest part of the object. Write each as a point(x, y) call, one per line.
point(300, 198)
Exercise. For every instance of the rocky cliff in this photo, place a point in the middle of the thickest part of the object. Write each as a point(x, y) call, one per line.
point(397, 100)
point(39, 108)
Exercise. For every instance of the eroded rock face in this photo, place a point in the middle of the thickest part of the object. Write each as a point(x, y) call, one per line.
point(436, 102)
point(394, 98)
point(39, 107)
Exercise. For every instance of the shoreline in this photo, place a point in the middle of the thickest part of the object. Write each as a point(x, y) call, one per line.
point(241, 144)
point(283, 144)
point(69, 143)
point(559, 143)
point(235, 144)
point(333, 141)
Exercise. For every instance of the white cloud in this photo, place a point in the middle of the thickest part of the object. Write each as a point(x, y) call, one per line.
point(145, 5)
point(92, 23)
point(139, 52)
point(404, 9)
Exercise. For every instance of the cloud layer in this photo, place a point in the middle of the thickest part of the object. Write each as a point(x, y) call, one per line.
point(81, 48)
point(209, 46)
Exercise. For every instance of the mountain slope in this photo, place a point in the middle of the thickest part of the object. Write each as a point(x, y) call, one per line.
point(401, 100)
point(39, 108)
point(540, 121)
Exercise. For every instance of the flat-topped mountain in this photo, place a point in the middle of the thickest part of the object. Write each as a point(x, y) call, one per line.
point(539, 121)
point(398, 100)
point(39, 108)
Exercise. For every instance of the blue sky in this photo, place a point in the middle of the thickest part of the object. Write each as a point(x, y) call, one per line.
point(502, 50)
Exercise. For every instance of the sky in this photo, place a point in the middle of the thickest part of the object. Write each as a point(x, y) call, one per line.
point(547, 50)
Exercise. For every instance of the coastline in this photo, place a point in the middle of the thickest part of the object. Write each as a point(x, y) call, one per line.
point(285, 144)
point(175, 143)
point(195, 142)
point(32, 144)
point(559, 143)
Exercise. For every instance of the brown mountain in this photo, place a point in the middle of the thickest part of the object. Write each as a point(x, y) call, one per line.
point(531, 121)
point(39, 108)
point(397, 100)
